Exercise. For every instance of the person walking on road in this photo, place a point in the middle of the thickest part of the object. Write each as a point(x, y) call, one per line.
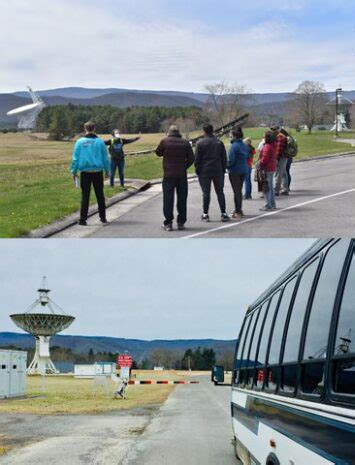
point(268, 165)
point(210, 166)
point(115, 147)
point(282, 157)
point(238, 168)
point(90, 158)
point(250, 162)
point(177, 157)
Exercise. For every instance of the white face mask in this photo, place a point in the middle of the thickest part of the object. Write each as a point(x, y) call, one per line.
point(117, 135)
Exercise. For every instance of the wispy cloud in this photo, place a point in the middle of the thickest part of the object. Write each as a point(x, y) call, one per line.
point(158, 46)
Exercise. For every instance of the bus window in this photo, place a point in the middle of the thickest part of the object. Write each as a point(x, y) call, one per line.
point(254, 345)
point(241, 344)
point(244, 358)
point(317, 332)
point(294, 330)
point(280, 322)
point(322, 307)
point(265, 338)
point(344, 350)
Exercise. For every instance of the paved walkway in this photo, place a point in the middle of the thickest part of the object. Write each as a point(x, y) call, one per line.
point(321, 204)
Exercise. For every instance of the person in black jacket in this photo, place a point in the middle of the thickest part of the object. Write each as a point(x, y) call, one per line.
point(177, 158)
point(211, 165)
point(115, 147)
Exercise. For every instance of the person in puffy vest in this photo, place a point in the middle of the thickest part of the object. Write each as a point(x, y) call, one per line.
point(115, 147)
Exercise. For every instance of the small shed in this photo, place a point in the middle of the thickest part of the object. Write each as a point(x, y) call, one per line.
point(95, 369)
point(13, 364)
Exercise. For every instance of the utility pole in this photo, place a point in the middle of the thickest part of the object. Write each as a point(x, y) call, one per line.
point(337, 93)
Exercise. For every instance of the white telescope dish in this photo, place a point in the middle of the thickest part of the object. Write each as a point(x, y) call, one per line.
point(24, 109)
point(27, 114)
point(43, 319)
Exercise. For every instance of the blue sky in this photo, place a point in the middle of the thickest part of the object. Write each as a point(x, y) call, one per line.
point(267, 46)
point(148, 289)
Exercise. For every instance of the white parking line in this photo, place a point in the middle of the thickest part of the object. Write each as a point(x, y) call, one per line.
point(276, 212)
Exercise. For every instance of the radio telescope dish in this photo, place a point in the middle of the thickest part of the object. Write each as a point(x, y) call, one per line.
point(28, 114)
point(42, 325)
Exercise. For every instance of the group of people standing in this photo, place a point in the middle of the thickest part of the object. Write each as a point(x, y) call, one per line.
point(211, 162)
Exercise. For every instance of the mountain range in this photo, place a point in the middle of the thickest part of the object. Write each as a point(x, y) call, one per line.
point(261, 103)
point(139, 349)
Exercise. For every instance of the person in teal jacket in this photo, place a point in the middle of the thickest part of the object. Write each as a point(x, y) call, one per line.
point(90, 158)
point(238, 168)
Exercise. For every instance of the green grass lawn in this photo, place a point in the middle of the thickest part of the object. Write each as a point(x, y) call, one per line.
point(36, 186)
point(61, 395)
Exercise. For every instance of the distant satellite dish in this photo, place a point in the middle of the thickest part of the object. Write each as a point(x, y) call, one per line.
point(28, 114)
point(23, 110)
point(42, 325)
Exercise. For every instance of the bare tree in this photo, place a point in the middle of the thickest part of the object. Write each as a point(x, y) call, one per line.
point(166, 358)
point(227, 359)
point(225, 102)
point(308, 104)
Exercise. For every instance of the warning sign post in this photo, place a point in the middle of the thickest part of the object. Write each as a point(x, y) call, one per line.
point(125, 362)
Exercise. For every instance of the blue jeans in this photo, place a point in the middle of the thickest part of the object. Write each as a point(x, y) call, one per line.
point(288, 173)
point(270, 195)
point(280, 177)
point(117, 164)
point(248, 185)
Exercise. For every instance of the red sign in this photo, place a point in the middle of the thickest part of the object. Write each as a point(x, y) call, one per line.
point(124, 361)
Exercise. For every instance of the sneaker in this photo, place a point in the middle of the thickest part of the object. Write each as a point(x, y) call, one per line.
point(104, 221)
point(82, 223)
point(236, 216)
point(205, 218)
point(181, 227)
point(167, 227)
point(265, 209)
point(284, 193)
point(225, 217)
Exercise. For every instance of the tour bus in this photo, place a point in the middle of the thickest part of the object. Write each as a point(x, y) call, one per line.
point(293, 387)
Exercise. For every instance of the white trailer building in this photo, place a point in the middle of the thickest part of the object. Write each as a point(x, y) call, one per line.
point(13, 365)
point(95, 369)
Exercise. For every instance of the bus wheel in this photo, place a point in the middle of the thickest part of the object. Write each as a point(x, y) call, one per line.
point(272, 460)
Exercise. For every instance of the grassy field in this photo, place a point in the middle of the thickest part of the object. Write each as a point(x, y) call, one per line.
point(36, 186)
point(57, 395)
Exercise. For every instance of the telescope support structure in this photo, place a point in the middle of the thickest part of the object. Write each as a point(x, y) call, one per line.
point(42, 363)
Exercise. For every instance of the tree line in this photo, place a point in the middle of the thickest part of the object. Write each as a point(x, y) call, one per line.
point(65, 121)
point(194, 359)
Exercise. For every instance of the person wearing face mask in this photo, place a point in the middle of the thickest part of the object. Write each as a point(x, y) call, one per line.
point(115, 147)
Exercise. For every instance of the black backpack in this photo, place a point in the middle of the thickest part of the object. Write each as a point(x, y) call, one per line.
point(116, 149)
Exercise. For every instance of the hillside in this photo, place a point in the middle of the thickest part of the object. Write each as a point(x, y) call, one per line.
point(261, 104)
point(138, 348)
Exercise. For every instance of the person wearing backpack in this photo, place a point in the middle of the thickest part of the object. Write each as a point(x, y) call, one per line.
point(281, 156)
point(292, 152)
point(115, 147)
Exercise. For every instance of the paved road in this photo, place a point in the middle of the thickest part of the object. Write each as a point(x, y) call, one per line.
point(321, 205)
point(105, 439)
point(192, 427)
